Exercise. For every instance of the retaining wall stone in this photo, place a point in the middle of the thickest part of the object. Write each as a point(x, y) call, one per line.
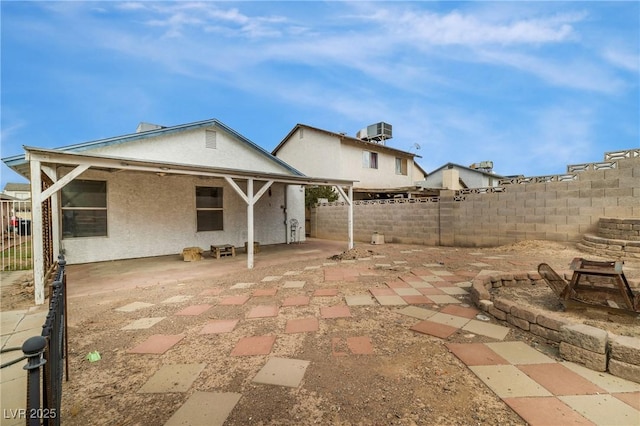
point(591, 360)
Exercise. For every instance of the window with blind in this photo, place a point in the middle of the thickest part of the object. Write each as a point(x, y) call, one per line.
point(84, 209)
point(209, 208)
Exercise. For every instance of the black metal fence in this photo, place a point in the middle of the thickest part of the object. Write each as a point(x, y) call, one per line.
point(47, 359)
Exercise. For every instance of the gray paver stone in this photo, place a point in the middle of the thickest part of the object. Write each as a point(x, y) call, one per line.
point(549, 320)
point(625, 348)
point(585, 336)
point(625, 370)
point(589, 359)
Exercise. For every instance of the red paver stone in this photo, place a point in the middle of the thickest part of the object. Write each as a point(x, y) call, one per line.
point(559, 380)
point(157, 344)
point(219, 326)
point(434, 329)
point(339, 311)
point(399, 284)
point(263, 311)
point(631, 398)
point(427, 291)
point(476, 354)
point(382, 292)
point(257, 345)
point(296, 301)
point(326, 292)
point(212, 292)
point(193, 310)
point(545, 411)
point(460, 311)
point(265, 292)
point(417, 300)
point(234, 300)
point(360, 345)
point(302, 325)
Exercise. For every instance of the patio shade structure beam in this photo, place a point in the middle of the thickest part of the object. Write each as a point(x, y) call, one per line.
point(38, 160)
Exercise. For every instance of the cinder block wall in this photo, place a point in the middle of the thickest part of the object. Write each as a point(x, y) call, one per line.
point(549, 210)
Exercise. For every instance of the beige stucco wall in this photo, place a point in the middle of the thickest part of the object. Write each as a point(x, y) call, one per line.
point(149, 215)
point(318, 154)
point(558, 211)
point(189, 148)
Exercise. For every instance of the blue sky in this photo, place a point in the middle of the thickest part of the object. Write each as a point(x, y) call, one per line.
point(532, 86)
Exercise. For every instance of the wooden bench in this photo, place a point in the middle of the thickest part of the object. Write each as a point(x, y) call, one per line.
point(223, 250)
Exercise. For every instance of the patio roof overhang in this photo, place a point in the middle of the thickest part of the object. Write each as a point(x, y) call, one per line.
point(38, 160)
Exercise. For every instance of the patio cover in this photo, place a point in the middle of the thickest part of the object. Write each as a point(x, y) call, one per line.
point(39, 160)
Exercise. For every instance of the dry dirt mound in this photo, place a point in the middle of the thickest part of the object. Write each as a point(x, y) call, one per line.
point(354, 253)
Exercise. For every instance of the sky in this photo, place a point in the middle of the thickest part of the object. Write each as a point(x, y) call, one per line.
point(532, 86)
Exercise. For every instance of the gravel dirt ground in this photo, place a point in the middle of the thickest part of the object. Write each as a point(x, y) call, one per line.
point(411, 379)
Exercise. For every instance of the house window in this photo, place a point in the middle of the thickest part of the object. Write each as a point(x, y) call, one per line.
point(84, 209)
point(369, 160)
point(401, 166)
point(209, 208)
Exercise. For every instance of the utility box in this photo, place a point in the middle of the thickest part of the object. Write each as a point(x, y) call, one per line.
point(377, 238)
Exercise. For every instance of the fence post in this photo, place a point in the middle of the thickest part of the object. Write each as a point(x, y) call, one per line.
point(33, 349)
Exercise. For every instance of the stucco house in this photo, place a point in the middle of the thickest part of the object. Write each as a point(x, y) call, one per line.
point(380, 171)
point(157, 191)
point(455, 177)
point(19, 191)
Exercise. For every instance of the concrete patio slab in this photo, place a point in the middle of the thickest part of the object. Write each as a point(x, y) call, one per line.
point(407, 291)
point(359, 300)
point(631, 398)
point(450, 320)
point(519, 353)
point(271, 278)
point(453, 290)
point(495, 331)
point(507, 381)
point(416, 312)
point(390, 300)
point(282, 372)
point(241, 286)
point(603, 409)
point(290, 273)
point(417, 300)
point(132, 307)
point(157, 344)
point(205, 408)
point(293, 284)
point(172, 378)
point(606, 381)
point(177, 299)
point(142, 323)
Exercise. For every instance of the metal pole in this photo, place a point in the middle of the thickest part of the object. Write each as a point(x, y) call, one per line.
point(33, 349)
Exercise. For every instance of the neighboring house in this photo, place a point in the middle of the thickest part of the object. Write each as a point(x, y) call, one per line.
point(454, 176)
point(19, 191)
point(379, 170)
point(157, 191)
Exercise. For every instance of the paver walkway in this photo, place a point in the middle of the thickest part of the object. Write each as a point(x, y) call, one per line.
point(541, 390)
